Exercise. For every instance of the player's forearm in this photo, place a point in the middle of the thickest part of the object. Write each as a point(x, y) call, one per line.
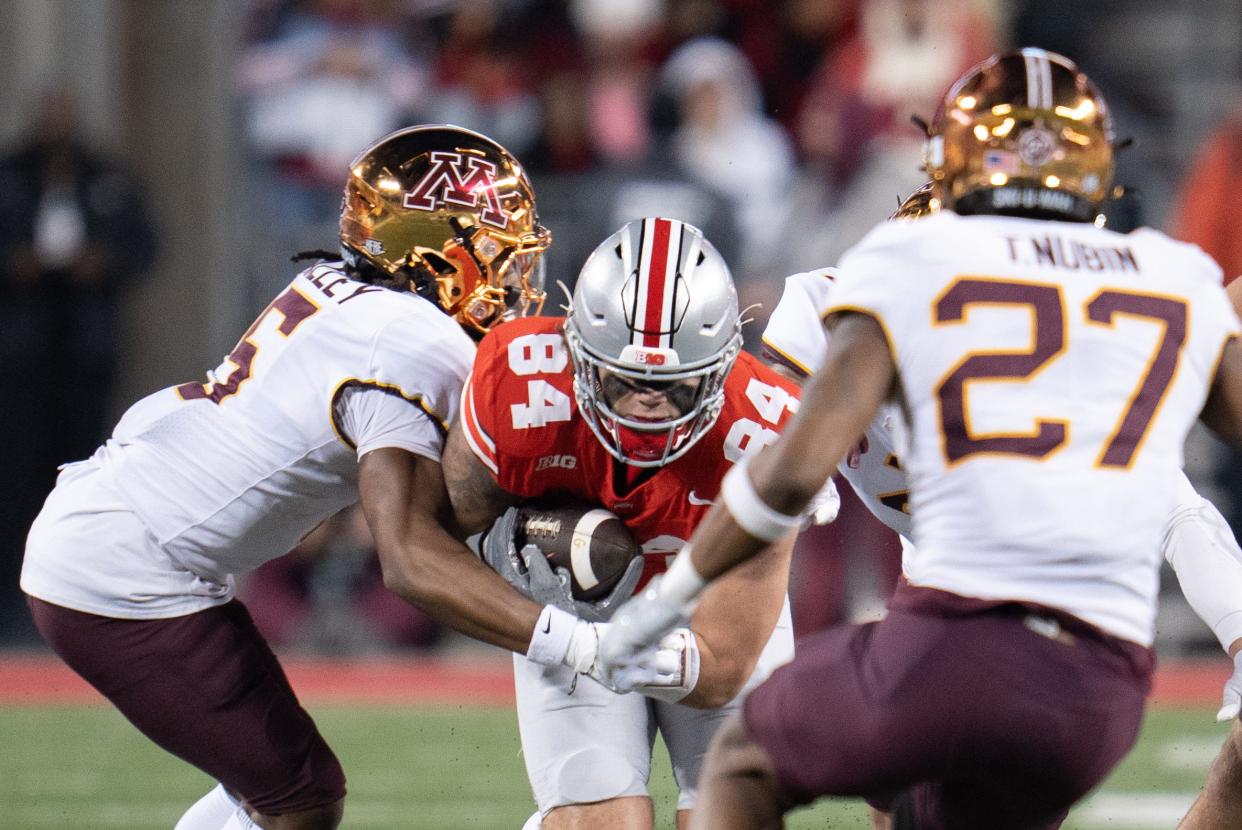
point(721, 677)
point(406, 506)
point(727, 662)
point(1223, 411)
point(444, 579)
point(1207, 560)
point(838, 403)
point(735, 621)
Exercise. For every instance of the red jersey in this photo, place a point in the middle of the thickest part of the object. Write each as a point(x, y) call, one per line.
point(522, 422)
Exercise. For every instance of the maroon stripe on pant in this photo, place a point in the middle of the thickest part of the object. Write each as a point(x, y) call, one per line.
point(987, 715)
point(205, 687)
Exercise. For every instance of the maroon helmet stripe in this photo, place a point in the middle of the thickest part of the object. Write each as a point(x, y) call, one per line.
point(656, 277)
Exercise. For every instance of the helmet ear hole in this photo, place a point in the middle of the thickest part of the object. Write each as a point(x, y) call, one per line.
point(438, 263)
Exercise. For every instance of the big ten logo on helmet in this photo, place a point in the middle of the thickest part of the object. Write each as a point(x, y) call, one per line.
point(648, 355)
point(552, 462)
point(649, 358)
point(462, 181)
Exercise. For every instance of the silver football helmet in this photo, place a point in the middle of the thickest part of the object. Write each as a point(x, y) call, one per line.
point(654, 313)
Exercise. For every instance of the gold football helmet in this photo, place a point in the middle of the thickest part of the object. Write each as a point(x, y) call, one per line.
point(918, 204)
point(454, 212)
point(1023, 133)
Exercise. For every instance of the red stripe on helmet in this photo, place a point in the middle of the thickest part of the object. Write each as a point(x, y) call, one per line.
point(657, 272)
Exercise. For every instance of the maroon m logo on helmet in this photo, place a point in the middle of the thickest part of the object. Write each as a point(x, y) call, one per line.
point(462, 181)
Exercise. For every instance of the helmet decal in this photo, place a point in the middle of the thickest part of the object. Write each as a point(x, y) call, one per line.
point(1038, 78)
point(657, 283)
point(1036, 146)
point(459, 180)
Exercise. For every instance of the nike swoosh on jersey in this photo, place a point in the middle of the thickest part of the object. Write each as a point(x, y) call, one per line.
point(693, 499)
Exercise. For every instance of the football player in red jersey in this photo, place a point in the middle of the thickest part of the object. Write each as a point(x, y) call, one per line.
point(639, 401)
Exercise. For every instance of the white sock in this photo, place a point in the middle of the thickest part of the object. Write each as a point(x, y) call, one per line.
point(534, 822)
point(216, 811)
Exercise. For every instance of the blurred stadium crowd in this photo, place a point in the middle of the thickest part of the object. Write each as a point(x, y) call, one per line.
point(780, 127)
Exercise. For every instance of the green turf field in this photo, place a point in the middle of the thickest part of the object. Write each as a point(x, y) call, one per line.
point(445, 768)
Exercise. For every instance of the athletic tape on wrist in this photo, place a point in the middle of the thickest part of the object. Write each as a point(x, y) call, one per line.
point(749, 511)
point(553, 631)
point(681, 583)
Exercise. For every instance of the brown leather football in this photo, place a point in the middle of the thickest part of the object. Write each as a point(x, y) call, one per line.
point(591, 543)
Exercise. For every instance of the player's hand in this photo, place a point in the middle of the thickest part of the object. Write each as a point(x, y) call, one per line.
point(1232, 698)
point(498, 549)
point(531, 574)
point(637, 628)
point(552, 586)
point(668, 673)
point(824, 506)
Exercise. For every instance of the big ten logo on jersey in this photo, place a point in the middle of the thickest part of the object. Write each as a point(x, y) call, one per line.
point(747, 436)
point(455, 179)
point(557, 462)
point(265, 337)
point(539, 354)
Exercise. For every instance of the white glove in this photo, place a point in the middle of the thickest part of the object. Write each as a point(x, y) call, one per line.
point(824, 506)
point(584, 649)
point(637, 629)
point(1232, 698)
point(667, 673)
point(560, 638)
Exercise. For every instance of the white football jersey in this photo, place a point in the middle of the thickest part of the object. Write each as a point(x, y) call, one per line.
point(796, 336)
point(229, 473)
point(1051, 371)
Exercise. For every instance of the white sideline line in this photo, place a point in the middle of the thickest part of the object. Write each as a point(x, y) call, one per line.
point(1188, 752)
point(1134, 811)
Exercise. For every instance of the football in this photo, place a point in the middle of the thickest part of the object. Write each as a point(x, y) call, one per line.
point(591, 543)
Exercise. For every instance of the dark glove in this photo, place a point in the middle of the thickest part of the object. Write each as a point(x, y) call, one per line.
point(531, 574)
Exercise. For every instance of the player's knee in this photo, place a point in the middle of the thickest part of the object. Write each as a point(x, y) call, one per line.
point(630, 812)
point(591, 776)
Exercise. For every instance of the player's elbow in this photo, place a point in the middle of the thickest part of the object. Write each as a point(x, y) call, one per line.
point(404, 574)
point(399, 582)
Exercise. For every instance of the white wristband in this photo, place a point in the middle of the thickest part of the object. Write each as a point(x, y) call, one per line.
point(681, 584)
point(553, 631)
point(749, 511)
